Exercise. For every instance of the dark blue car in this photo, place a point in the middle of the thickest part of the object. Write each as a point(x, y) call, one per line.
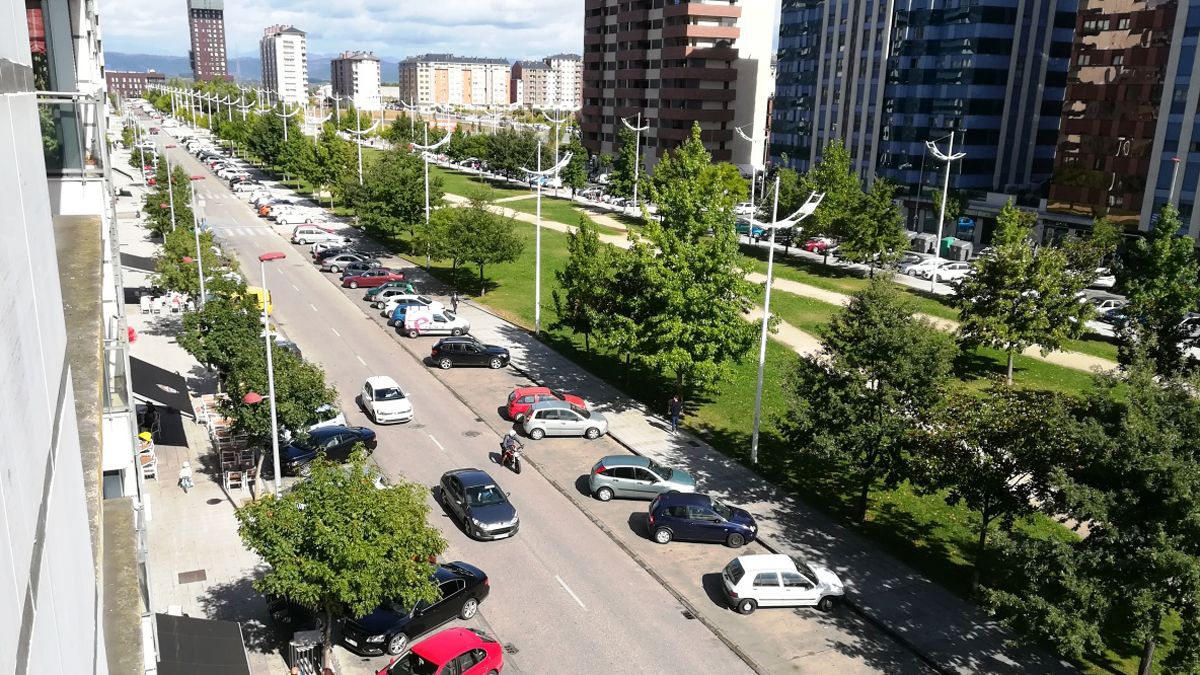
point(336, 443)
point(397, 318)
point(695, 517)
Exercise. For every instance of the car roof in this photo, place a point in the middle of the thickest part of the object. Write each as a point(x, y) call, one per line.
point(765, 561)
point(329, 431)
point(378, 381)
point(521, 391)
point(685, 498)
point(472, 477)
point(625, 460)
point(447, 645)
point(552, 403)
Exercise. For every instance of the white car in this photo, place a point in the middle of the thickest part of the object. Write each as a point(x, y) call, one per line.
point(298, 217)
point(1104, 278)
point(389, 306)
point(1103, 303)
point(245, 187)
point(951, 271)
point(773, 580)
point(744, 209)
point(384, 401)
point(923, 268)
point(910, 260)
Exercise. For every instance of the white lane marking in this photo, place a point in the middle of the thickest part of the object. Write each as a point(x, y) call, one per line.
point(332, 328)
point(314, 307)
point(568, 590)
point(295, 288)
point(360, 359)
point(435, 442)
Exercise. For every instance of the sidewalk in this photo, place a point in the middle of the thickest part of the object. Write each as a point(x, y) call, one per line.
point(945, 630)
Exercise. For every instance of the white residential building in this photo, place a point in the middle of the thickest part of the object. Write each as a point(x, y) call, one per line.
point(444, 79)
point(284, 54)
point(554, 82)
point(567, 81)
point(355, 75)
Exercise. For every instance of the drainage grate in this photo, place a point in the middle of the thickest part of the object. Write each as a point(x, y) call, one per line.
point(471, 434)
point(214, 501)
point(416, 425)
point(511, 649)
point(688, 615)
point(193, 576)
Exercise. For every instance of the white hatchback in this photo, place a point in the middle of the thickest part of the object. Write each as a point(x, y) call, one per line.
point(773, 580)
point(383, 399)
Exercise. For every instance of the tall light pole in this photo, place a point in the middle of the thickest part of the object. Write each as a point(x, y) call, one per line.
point(556, 121)
point(753, 172)
point(170, 185)
point(803, 212)
point(284, 116)
point(946, 157)
point(637, 152)
point(425, 155)
point(197, 207)
point(412, 124)
point(359, 132)
point(262, 261)
point(540, 176)
point(1174, 175)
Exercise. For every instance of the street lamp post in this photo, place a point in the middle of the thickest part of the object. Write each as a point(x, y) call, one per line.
point(947, 157)
point(803, 212)
point(197, 207)
point(1174, 175)
point(263, 260)
point(753, 174)
point(557, 121)
point(425, 154)
point(637, 152)
point(359, 132)
point(541, 176)
point(170, 185)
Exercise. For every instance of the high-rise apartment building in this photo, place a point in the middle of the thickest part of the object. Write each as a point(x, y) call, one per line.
point(445, 79)
point(355, 75)
point(74, 581)
point(206, 23)
point(1131, 109)
point(130, 84)
point(554, 82)
point(677, 64)
point(284, 54)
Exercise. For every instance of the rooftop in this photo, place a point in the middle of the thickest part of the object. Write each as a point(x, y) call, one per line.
point(564, 57)
point(357, 56)
point(451, 58)
point(281, 29)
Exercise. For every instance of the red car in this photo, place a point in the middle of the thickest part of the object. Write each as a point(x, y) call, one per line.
point(818, 244)
point(372, 278)
point(462, 651)
point(522, 399)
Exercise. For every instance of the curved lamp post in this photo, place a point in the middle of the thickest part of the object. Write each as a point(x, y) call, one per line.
point(947, 157)
point(359, 132)
point(753, 169)
point(540, 175)
point(197, 207)
point(252, 398)
point(170, 185)
point(637, 152)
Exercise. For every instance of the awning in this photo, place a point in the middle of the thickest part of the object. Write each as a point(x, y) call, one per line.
point(188, 646)
point(138, 262)
point(160, 386)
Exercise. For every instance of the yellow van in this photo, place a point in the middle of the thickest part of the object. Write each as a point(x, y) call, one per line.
point(260, 295)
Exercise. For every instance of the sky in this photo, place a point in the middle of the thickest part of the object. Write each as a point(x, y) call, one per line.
point(515, 29)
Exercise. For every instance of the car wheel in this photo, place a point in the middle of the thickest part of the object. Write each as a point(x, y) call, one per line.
point(495, 363)
point(592, 433)
point(468, 609)
point(604, 494)
point(305, 470)
point(445, 364)
point(413, 333)
point(826, 603)
point(746, 606)
point(353, 284)
point(537, 434)
point(456, 332)
point(662, 535)
point(397, 644)
point(333, 268)
point(735, 540)
point(304, 242)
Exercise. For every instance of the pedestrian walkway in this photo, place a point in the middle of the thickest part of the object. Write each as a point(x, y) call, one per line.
point(517, 198)
point(946, 630)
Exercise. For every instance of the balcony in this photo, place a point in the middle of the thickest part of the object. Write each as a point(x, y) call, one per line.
point(715, 53)
point(696, 94)
point(701, 32)
point(690, 73)
point(702, 9)
point(695, 115)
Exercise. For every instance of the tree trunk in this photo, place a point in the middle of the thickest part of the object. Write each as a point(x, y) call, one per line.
point(980, 548)
point(625, 373)
point(482, 290)
point(327, 641)
point(587, 343)
point(679, 385)
point(1010, 364)
point(863, 492)
point(1147, 661)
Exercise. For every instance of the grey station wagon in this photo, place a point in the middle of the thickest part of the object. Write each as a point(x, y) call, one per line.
point(635, 477)
point(560, 418)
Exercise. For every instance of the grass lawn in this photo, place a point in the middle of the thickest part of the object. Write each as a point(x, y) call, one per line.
point(460, 183)
point(559, 210)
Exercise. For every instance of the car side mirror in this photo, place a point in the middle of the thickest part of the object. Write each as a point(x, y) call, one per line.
point(507, 494)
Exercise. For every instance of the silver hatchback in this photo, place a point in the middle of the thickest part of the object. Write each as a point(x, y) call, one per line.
point(636, 478)
point(560, 418)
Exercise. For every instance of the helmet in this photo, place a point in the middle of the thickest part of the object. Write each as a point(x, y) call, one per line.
point(186, 465)
point(512, 433)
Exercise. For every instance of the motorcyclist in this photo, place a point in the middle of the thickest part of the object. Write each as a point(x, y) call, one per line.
point(510, 442)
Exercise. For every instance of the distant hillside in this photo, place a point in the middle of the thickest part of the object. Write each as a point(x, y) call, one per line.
point(245, 68)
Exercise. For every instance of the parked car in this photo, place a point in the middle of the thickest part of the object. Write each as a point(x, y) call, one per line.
point(784, 236)
point(389, 305)
point(379, 295)
point(467, 351)
point(427, 321)
point(773, 580)
point(695, 517)
point(335, 245)
point(372, 277)
point(335, 443)
point(393, 625)
point(333, 250)
point(521, 399)
point(635, 477)
point(356, 268)
point(950, 271)
point(744, 209)
point(457, 651)
point(399, 312)
point(335, 263)
point(471, 496)
point(559, 418)
point(245, 186)
point(384, 401)
point(819, 245)
point(1104, 278)
point(297, 217)
point(1103, 303)
point(744, 227)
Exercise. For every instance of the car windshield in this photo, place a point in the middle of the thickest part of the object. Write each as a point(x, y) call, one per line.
point(307, 443)
point(584, 413)
point(734, 571)
point(660, 470)
point(389, 394)
point(413, 665)
point(722, 510)
point(486, 495)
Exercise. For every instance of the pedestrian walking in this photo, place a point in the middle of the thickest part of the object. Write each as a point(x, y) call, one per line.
point(454, 302)
point(675, 411)
point(185, 477)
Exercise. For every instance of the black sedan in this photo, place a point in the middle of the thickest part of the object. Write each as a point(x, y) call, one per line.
point(393, 626)
point(474, 498)
point(335, 443)
point(467, 351)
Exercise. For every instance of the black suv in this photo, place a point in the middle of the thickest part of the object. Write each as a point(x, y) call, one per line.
point(467, 351)
point(336, 443)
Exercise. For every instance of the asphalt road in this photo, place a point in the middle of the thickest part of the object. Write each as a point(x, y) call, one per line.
point(563, 597)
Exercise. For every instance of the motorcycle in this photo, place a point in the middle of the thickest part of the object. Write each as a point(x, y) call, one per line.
point(511, 456)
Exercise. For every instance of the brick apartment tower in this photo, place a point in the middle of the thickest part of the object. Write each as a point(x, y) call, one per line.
point(206, 23)
point(677, 63)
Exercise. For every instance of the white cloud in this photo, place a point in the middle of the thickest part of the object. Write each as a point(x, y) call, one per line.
point(391, 28)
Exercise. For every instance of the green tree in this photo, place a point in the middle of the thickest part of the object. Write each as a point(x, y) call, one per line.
point(858, 402)
point(336, 163)
point(833, 176)
point(392, 198)
point(218, 333)
point(1161, 278)
point(997, 454)
point(585, 282)
point(1020, 295)
point(575, 174)
point(875, 234)
point(954, 205)
point(175, 268)
point(490, 239)
point(343, 547)
point(300, 390)
point(157, 205)
point(297, 155)
point(456, 148)
point(436, 239)
point(127, 135)
point(621, 175)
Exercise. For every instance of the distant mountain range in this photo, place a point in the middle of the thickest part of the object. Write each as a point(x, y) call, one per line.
point(244, 69)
